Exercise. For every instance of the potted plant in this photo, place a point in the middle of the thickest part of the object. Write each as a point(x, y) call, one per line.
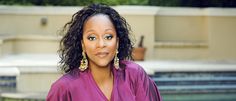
point(138, 53)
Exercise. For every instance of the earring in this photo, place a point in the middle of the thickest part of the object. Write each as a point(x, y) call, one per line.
point(116, 60)
point(83, 62)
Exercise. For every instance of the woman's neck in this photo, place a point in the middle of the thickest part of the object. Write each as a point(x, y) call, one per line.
point(101, 74)
point(103, 78)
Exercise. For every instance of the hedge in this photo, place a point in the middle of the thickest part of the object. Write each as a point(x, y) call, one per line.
point(170, 3)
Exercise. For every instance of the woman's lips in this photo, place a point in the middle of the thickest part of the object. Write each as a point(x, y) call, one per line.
point(102, 54)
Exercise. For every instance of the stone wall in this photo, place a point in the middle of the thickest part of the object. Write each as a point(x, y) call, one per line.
point(170, 33)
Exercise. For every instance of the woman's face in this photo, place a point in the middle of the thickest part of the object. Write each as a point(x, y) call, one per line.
point(99, 40)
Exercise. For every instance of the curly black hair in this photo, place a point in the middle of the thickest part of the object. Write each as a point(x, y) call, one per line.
point(70, 50)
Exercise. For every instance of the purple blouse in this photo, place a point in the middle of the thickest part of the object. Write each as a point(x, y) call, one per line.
point(130, 84)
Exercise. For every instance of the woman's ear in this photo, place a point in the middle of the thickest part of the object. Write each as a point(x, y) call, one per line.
point(82, 44)
point(117, 43)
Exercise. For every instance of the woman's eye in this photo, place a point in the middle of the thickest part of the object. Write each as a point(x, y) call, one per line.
point(108, 37)
point(91, 38)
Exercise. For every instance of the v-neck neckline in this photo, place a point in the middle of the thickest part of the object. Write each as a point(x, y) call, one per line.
point(97, 87)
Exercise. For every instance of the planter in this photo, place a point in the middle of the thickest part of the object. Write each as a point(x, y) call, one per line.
point(138, 53)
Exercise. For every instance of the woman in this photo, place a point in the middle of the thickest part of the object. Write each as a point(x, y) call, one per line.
point(95, 55)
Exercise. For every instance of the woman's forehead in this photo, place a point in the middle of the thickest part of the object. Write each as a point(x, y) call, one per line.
point(99, 21)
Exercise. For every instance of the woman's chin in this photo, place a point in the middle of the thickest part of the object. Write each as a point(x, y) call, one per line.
point(103, 64)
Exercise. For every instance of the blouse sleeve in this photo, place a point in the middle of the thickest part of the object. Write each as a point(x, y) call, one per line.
point(146, 88)
point(58, 92)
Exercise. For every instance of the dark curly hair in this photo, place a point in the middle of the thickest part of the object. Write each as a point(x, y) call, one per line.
point(70, 50)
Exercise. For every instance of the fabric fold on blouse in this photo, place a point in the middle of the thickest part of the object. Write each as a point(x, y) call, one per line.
point(130, 84)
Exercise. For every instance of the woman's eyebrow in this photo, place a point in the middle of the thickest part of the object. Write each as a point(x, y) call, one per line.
point(90, 30)
point(109, 29)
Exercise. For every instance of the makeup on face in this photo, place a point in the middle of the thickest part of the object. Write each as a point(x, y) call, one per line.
point(99, 40)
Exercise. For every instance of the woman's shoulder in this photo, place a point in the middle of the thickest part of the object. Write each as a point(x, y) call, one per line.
point(61, 87)
point(65, 79)
point(132, 67)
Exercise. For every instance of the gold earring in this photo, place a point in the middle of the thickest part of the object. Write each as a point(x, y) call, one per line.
point(116, 60)
point(83, 62)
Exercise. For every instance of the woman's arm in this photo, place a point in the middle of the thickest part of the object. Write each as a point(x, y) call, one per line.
point(59, 92)
point(146, 89)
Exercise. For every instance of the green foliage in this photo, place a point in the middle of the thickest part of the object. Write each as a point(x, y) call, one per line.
point(171, 3)
point(72, 2)
point(136, 2)
point(15, 2)
point(193, 3)
point(164, 2)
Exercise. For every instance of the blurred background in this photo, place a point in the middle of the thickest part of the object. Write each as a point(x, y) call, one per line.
point(186, 46)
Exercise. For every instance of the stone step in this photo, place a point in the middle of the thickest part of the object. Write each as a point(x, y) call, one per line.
point(195, 82)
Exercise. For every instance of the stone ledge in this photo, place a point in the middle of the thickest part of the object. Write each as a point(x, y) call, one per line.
point(39, 63)
point(180, 45)
point(31, 63)
point(191, 11)
point(33, 37)
point(24, 96)
point(9, 71)
point(123, 9)
point(187, 66)
point(4, 37)
point(69, 10)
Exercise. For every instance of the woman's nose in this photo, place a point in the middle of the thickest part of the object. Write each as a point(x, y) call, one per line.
point(101, 43)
